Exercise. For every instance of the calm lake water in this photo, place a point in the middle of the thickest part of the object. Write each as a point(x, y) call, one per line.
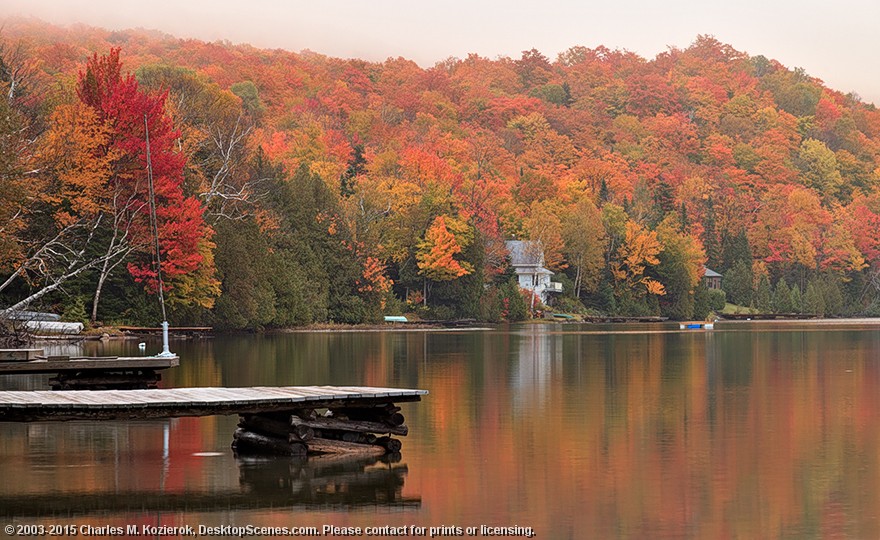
point(577, 431)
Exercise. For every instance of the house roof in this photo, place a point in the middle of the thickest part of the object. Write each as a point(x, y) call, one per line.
point(711, 273)
point(532, 269)
point(525, 253)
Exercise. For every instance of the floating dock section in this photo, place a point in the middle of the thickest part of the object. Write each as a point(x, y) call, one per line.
point(290, 421)
point(87, 372)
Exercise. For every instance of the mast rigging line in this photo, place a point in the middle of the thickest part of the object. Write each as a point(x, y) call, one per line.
point(154, 223)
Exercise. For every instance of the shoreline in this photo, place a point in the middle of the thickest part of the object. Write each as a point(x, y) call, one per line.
point(114, 334)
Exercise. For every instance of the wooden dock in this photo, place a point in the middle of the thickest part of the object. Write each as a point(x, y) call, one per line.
point(87, 372)
point(294, 420)
point(174, 330)
point(90, 363)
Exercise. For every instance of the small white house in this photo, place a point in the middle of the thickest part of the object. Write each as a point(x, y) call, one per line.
point(527, 259)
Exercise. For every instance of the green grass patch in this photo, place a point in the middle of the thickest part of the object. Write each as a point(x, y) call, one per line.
point(732, 309)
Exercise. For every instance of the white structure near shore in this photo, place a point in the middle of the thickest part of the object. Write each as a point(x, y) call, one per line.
point(527, 259)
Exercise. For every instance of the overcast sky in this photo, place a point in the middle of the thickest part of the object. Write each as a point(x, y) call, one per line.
point(837, 42)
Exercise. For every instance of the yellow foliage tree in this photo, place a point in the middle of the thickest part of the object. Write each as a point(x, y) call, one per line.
point(639, 250)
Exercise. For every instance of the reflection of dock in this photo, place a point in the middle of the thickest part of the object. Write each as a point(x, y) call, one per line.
point(330, 480)
point(276, 483)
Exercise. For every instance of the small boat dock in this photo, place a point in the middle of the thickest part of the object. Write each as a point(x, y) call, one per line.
point(87, 372)
point(156, 330)
point(292, 421)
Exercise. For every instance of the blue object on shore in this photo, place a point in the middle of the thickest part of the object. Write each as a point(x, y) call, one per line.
point(395, 318)
point(696, 326)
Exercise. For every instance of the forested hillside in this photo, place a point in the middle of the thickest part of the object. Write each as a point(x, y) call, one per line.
point(294, 188)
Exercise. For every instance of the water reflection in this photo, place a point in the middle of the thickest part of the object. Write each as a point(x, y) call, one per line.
point(84, 468)
point(327, 481)
point(751, 431)
point(539, 355)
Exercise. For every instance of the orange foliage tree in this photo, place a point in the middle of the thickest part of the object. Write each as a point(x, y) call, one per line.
point(436, 255)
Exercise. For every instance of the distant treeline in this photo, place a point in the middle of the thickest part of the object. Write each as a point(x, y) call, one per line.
point(296, 188)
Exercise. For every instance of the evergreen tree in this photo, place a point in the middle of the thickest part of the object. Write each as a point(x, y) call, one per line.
point(735, 249)
point(683, 217)
point(797, 299)
point(356, 167)
point(832, 296)
point(782, 297)
point(814, 303)
point(763, 296)
point(738, 283)
point(701, 302)
point(663, 200)
point(710, 236)
point(514, 307)
point(605, 295)
point(604, 196)
point(314, 244)
point(247, 300)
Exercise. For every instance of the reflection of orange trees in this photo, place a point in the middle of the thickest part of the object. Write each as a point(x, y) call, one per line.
point(82, 457)
point(648, 437)
point(655, 435)
point(378, 368)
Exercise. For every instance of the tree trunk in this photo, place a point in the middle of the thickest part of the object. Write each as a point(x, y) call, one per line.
point(47, 289)
point(101, 278)
point(534, 286)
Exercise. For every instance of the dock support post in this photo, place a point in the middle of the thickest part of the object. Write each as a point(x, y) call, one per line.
point(345, 430)
point(165, 351)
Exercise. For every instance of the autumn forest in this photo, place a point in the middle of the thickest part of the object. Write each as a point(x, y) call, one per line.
point(295, 188)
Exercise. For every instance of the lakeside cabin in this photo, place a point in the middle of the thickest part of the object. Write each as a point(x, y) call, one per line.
point(527, 260)
point(711, 279)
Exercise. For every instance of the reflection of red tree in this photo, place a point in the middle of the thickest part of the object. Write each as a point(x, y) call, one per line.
point(188, 436)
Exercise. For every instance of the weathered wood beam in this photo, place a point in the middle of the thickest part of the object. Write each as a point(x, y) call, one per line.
point(386, 414)
point(245, 441)
point(327, 446)
point(389, 444)
point(97, 381)
point(358, 426)
point(19, 355)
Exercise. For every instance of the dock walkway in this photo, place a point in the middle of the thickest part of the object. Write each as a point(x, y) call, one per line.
point(292, 420)
point(29, 406)
point(87, 363)
point(87, 372)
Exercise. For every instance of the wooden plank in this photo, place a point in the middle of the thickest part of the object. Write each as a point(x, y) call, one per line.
point(250, 442)
point(171, 329)
point(21, 406)
point(327, 446)
point(19, 355)
point(83, 364)
point(182, 396)
point(350, 425)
